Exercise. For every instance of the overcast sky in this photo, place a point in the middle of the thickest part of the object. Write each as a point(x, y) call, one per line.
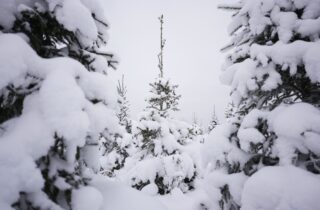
point(195, 31)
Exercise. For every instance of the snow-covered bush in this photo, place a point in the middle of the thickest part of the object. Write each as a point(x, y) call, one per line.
point(56, 102)
point(274, 75)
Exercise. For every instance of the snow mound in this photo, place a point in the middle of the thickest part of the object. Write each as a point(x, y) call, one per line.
point(118, 196)
point(281, 188)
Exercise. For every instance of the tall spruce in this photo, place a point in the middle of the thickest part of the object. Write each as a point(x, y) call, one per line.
point(52, 34)
point(270, 69)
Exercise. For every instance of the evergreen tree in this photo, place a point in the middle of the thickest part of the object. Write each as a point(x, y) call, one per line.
point(214, 121)
point(159, 139)
point(63, 95)
point(271, 73)
point(118, 146)
point(162, 101)
point(123, 114)
point(196, 126)
point(195, 131)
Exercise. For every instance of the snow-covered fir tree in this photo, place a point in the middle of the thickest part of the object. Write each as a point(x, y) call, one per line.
point(123, 113)
point(161, 165)
point(162, 101)
point(274, 75)
point(118, 146)
point(56, 103)
point(196, 126)
point(195, 131)
point(214, 121)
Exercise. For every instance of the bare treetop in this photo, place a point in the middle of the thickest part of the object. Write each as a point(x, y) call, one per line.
point(162, 43)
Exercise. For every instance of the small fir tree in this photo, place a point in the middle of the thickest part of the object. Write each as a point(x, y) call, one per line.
point(162, 101)
point(214, 121)
point(159, 139)
point(123, 114)
point(118, 146)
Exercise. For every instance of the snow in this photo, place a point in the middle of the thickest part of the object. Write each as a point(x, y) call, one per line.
point(309, 28)
point(285, 22)
point(311, 8)
point(247, 133)
point(74, 16)
point(178, 165)
point(173, 168)
point(27, 126)
point(150, 189)
point(257, 9)
point(243, 77)
point(117, 196)
point(292, 55)
point(67, 121)
point(193, 200)
point(145, 171)
point(240, 77)
point(281, 188)
point(8, 10)
point(304, 127)
point(218, 179)
point(218, 150)
point(249, 136)
point(86, 198)
point(16, 173)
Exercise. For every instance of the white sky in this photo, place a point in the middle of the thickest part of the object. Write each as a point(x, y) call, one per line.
point(195, 31)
